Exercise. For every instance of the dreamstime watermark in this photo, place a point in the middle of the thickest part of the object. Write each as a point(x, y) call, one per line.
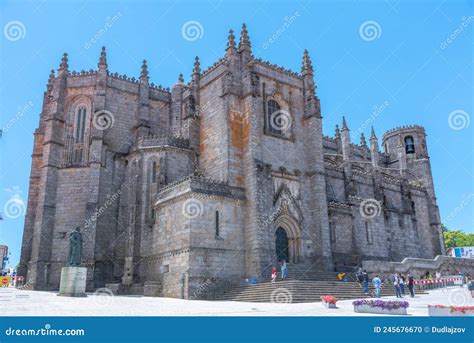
point(280, 120)
point(370, 30)
point(15, 206)
point(466, 200)
point(458, 120)
point(200, 289)
point(109, 22)
point(101, 210)
point(370, 208)
point(192, 30)
point(465, 21)
point(14, 30)
point(281, 295)
point(46, 331)
point(376, 111)
point(103, 120)
point(19, 114)
point(192, 208)
point(287, 21)
point(459, 297)
point(103, 296)
point(187, 124)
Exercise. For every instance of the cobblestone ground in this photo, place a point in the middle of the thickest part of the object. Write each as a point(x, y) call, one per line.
point(34, 303)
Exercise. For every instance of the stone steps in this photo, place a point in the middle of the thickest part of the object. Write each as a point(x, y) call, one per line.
point(298, 291)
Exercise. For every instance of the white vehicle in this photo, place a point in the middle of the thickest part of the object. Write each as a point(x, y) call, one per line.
point(463, 252)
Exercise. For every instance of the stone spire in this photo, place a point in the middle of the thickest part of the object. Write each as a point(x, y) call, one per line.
point(374, 148)
point(144, 73)
point(372, 134)
point(363, 142)
point(103, 59)
point(196, 68)
point(64, 63)
point(307, 67)
point(346, 140)
point(338, 132)
point(344, 124)
point(244, 43)
point(231, 41)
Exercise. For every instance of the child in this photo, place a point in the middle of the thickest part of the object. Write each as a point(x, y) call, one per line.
point(274, 275)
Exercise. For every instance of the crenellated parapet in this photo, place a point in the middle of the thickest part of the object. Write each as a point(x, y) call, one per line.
point(402, 129)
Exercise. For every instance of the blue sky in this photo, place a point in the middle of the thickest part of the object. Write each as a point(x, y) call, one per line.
point(416, 57)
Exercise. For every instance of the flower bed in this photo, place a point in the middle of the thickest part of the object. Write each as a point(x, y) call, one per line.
point(444, 311)
point(381, 306)
point(329, 301)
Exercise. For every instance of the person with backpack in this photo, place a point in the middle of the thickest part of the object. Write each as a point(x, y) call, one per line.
point(365, 282)
point(396, 284)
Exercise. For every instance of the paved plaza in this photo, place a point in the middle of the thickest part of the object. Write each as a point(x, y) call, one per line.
point(38, 303)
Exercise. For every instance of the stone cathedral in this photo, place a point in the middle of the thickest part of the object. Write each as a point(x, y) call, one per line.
point(215, 180)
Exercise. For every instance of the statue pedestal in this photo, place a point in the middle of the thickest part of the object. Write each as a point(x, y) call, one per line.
point(73, 282)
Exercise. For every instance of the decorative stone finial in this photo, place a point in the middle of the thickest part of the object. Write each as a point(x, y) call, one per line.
point(307, 67)
point(144, 72)
point(244, 43)
point(103, 59)
point(64, 62)
point(180, 78)
point(362, 140)
point(231, 40)
point(338, 132)
point(197, 66)
point(51, 77)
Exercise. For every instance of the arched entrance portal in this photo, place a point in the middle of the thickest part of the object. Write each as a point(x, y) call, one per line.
point(281, 244)
point(287, 239)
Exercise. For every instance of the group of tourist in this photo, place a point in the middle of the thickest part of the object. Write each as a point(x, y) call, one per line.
point(398, 280)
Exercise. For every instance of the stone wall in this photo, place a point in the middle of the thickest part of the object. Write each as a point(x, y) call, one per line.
point(446, 265)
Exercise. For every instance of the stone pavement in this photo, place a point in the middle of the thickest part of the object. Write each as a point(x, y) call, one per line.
point(36, 303)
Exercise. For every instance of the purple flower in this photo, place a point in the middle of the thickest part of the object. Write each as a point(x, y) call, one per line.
point(387, 305)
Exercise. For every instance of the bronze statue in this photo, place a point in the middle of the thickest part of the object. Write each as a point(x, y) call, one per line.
point(75, 247)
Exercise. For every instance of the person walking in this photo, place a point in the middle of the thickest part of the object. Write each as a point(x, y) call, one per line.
point(411, 285)
point(274, 275)
point(365, 280)
point(284, 269)
point(401, 280)
point(396, 284)
point(377, 284)
point(359, 277)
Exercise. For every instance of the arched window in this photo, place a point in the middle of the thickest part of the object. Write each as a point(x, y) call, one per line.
point(80, 125)
point(409, 145)
point(274, 119)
